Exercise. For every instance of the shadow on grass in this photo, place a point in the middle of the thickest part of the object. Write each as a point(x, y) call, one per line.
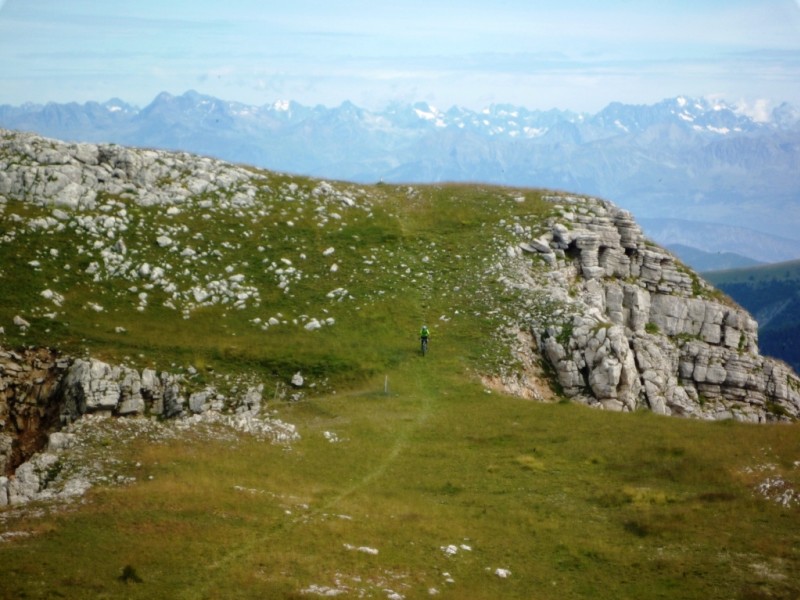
point(129, 575)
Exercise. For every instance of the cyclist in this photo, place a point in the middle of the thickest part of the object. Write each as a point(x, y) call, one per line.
point(424, 334)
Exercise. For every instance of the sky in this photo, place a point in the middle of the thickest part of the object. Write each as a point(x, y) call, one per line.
point(568, 54)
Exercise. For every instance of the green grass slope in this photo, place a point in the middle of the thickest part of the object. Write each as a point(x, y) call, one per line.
point(410, 479)
point(398, 257)
point(573, 502)
point(772, 294)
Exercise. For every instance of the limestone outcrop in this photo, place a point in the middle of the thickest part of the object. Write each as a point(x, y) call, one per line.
point(43, 393)
point(99, 194)
point(92, 386)
point(626, 325)
point(75, 176)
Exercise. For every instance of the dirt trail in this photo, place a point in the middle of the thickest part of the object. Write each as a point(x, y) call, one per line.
point(419, 394)
point(416, 377)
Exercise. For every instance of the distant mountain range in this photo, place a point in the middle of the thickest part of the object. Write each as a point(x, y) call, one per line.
point(693, 159)
point(692, 239)
point(711, 261)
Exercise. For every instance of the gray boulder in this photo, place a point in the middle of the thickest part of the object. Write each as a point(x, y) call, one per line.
point(31, 478)
point(91, 386)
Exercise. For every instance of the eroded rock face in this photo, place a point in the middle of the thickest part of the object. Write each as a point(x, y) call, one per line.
point(29, 409)
point(635, 328)
point(42, 392)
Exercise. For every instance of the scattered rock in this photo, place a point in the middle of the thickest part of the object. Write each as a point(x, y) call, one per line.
point(297, 380)
point(313, 325)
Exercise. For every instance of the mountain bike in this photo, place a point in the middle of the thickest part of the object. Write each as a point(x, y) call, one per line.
point(424, 346)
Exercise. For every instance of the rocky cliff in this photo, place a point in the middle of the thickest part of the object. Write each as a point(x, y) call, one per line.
point(635, 328)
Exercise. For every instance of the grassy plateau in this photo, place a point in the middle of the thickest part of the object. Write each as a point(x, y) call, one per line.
point(410, 479)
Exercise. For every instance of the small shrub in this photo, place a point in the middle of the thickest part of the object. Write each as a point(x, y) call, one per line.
point(448, 489)
point(652, 328)
point(52, 472)
point(637, 528)
point(129, 575)
point(776, 409)
point(565, 334)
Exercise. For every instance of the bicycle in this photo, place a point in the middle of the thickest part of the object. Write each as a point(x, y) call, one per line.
point(423, 336)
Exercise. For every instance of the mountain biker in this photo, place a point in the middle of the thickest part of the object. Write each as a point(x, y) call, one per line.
point(424, 334)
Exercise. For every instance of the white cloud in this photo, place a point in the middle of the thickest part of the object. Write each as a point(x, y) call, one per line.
point(759, 110)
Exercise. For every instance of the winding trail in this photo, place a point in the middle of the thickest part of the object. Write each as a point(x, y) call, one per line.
point(400, 443)
point(417, 375)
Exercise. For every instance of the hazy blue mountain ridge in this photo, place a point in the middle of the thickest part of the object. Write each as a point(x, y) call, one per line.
point(695, 159)
point(711, 261)
point(715, 239)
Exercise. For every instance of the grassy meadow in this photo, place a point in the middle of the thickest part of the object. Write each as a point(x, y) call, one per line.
point(410, 479)
point(573, 502)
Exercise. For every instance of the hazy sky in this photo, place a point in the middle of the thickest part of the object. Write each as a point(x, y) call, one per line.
point(575, 54)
